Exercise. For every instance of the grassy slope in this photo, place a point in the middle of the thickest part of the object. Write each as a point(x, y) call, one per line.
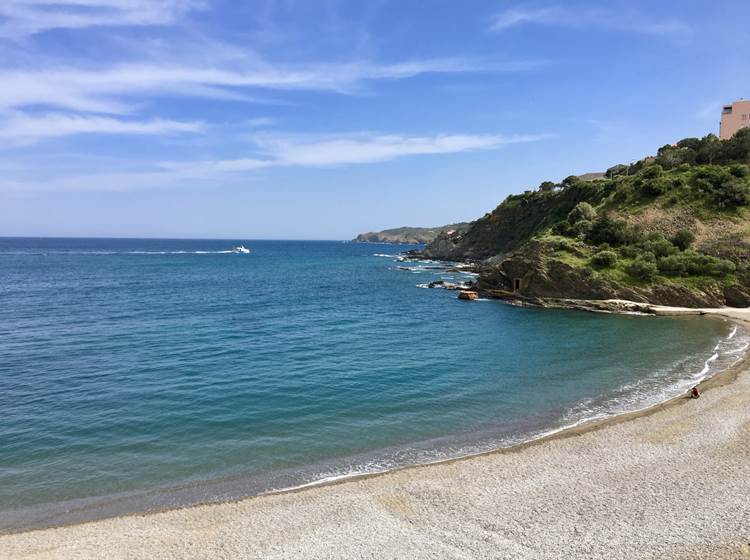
point(651, 202)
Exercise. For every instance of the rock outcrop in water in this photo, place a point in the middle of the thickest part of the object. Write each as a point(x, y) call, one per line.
point(671, 230)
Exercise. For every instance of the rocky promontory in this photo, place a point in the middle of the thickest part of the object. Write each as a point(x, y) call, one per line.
point(669, 230)
point(409, 235)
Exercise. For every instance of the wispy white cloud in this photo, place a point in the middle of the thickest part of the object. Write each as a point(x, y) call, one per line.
point(21, 129)
point(111, 90)
point(580, 18)
point(21, 18)
point(329, 151)
point(259, 122)
point(274, 151)
point(369, 148)
point(515, 16)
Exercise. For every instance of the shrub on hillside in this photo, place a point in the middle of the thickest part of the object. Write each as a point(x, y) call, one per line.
point(737, 148)
point(707, 150)
point(571, 181)
point(740, 170)
point(616, 170)
point(655, 186)
point(659, 246)
point(623, 191)
point(604, 258)
point(690, 263)
point(614, 232)
point(581, 228)
point(643, 269)
point(732, 193)
point(724, 188)
point(698, 264)
point(673, 265)
point(652, 171)
point(582, 211)
point(683, 239)
point(630, 251)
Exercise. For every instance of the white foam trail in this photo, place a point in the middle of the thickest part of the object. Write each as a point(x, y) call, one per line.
point(326, 480)
point(707, 365)
point(178, 252)
point(740, 350)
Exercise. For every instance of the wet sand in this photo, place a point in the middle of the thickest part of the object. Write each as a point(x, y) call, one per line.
point(669, 482)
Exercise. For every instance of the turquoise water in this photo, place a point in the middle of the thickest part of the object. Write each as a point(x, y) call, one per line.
point(132, 371)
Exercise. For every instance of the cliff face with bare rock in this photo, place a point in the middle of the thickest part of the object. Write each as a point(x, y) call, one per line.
point(672, 229)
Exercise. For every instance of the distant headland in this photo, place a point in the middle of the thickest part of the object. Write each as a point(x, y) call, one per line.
point(410, 235)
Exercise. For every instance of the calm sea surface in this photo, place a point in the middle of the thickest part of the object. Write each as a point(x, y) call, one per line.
point(148, 373)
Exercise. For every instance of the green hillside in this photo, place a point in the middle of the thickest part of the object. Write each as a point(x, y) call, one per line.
point(670, 229)
point(413, 235)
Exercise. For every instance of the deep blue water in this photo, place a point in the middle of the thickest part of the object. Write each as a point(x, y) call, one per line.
point(128, 366)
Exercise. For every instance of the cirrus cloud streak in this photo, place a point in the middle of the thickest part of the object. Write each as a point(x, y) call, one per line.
point(22, 18)
point(362, 148)
point(22, 129)
point(274, 151)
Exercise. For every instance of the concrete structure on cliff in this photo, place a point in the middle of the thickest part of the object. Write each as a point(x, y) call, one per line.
point(733, 118)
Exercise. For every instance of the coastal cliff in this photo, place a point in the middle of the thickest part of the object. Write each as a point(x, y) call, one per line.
point(410, 235)
point(672, 229)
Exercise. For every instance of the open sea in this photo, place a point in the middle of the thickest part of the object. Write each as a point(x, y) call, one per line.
point(139, 374)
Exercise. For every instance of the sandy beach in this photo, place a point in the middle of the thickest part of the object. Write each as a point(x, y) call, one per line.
point(671, 482)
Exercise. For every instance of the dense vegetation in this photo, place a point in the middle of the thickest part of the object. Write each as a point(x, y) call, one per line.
point(707, 177)
point(676, 218)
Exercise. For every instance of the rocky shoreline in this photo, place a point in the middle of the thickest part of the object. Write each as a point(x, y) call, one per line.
point(485, 286)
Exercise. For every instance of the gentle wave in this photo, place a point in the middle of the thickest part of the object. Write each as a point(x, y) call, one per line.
point(588, 412)
point(648, 392)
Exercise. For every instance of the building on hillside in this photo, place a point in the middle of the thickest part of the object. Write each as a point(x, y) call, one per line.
point(734, 117)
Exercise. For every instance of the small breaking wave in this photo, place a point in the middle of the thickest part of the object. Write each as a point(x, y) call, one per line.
point(663, 385)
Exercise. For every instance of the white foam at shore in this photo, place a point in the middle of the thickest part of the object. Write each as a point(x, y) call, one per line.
point(643, 394)
point(640, 401)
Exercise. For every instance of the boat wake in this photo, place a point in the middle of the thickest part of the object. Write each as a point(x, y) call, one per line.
point(235, 250)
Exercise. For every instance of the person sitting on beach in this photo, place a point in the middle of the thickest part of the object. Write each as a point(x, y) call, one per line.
point(695, 393)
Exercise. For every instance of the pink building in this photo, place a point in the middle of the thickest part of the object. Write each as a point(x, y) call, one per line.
point(734, 117)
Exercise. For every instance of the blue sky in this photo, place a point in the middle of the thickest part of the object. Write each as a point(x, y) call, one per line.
point(314, 119)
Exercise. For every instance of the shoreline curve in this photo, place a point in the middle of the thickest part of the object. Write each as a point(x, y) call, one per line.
point(719, 379)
